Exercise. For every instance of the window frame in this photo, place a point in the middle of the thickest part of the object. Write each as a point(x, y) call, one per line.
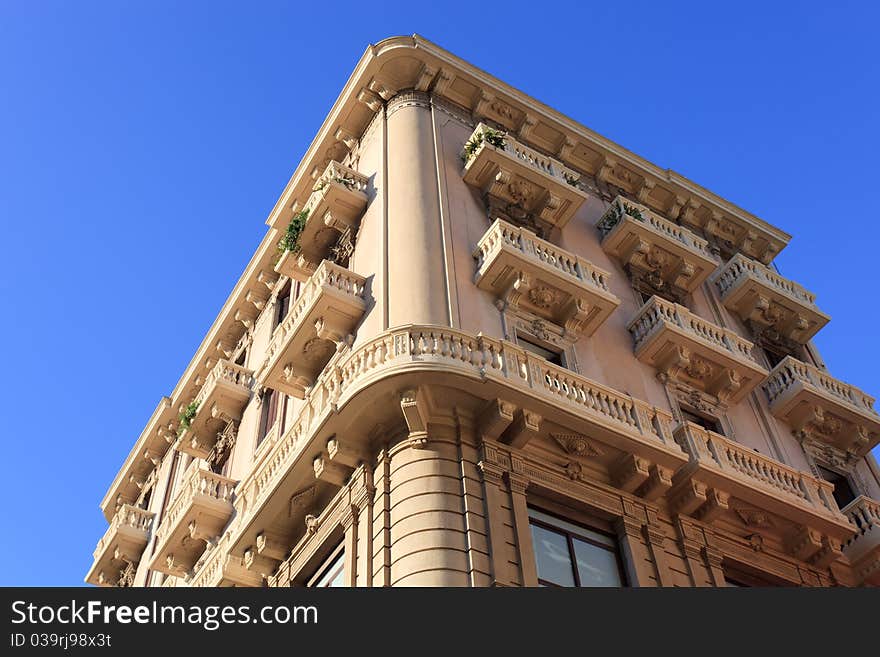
point(333, 564)
point(569, 539)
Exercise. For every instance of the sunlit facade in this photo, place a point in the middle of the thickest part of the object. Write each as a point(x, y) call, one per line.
point(481, 345)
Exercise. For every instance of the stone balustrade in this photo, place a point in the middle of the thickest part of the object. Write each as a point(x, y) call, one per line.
point(338, 200)
point(531, 273)
point(758, 294)
point(121, 546)
point(820, 407)
point(514, 173)
point(197, 514)
point(682, 345)
point(863, 549)
point(331, 303)
point(652, 247)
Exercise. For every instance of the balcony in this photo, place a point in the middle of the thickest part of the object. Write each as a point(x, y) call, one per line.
point(330, 306)
point(726, 478)
point(120, 549)
point(663, 254)
point(863, 550)
point(521, 178)
point(196, 517)
point(221, 400)
point(821, 408)
point(332, 212)
point(759, 295)
point(530, 273)
point(692, 350)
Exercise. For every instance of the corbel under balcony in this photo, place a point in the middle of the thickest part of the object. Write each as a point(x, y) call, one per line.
point(195, 517)
point(822, 409)
point(329, 307)
point(530, 273)
point(664, 254)
point(521, 178)
point(863, 549)
point(726, 479)
point(332, 212)
point(694, 351)
point(119, 550)
point(221, 401)
point(759, 295)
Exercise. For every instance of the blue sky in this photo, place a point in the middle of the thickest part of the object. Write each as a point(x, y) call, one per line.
point(142, 146)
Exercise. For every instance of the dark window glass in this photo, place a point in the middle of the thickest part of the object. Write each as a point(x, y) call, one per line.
point(282, 305)
point(552, 355)
point(570, 555)
point(704, 421)
point(843, 490)
point(268, 414)
point(773, 357)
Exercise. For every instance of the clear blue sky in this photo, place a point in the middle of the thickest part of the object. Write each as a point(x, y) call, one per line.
point(142, 146)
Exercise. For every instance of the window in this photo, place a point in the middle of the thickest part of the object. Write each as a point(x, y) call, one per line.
point(268, 414)
point(774, 357)
point(705, 421)
point(570, 555)
point(331, 573)
point(552, 355)
point(282, 304)
point(843, 490)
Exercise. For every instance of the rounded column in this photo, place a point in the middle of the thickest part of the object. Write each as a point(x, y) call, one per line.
point(416, 264)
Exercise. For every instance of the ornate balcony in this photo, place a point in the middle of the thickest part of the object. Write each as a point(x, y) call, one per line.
point(196, 517)
point(520, 179)
point(692, 350)
point(762, 297)
point(724, 477)
point(221, 401)
point(531, 273)
point(329, 307)
point(823, 409)
point(120, 549)
point(863, 550)
point(664, 255)
point(332, 213)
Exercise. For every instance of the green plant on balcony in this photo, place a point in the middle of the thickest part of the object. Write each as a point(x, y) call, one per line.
point(186, 417)
point(290, 240)
point(614, 214)
point(490, 136)
point(348, 181)
point(570, 179)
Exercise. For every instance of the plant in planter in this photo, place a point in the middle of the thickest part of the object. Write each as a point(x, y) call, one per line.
point(290, 240)
point(348, 182)
point(490, 136)
point(187, 416)
point(570, 179)
point(633, 211)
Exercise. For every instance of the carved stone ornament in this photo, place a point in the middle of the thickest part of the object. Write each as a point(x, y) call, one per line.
point(577, 445)
point(756, 542)
point(755, 517)
point(574, 470)
point(311, 524)
point(542, 296)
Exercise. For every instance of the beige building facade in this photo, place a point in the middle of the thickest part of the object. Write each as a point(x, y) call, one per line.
point(481, 345)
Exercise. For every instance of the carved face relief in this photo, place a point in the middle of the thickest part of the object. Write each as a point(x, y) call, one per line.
point(698, 368)
point(542, 296)
point(521, 192)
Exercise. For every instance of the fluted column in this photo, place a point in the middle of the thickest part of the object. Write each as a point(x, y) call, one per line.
point(416, 278)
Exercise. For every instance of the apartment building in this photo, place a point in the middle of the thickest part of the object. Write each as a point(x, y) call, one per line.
point(482, 345)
